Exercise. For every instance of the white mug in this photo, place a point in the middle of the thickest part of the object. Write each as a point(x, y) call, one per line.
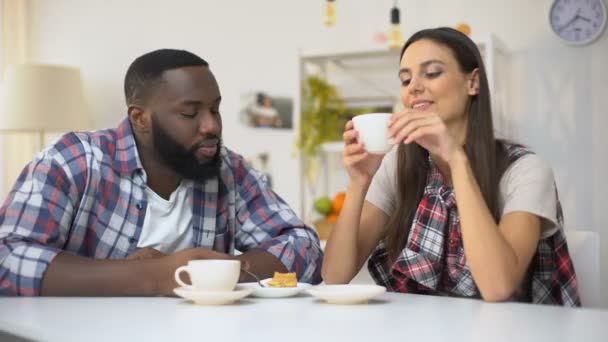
point(373, 132)
point(210, 275)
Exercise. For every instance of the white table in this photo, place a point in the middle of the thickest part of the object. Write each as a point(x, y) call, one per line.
point(394, 317)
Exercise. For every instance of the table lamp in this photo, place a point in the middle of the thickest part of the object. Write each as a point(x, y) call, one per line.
point(36, 100)
point(42, 98)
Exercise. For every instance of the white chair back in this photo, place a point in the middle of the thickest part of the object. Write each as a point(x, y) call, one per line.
point(584, 248)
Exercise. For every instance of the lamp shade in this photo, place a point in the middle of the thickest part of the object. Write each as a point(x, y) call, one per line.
point(43, 98)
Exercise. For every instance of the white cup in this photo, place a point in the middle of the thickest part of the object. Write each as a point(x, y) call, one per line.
point(210, 275)
point(373, 131)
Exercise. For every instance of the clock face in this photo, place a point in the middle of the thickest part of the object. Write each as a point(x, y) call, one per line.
point(578, 21)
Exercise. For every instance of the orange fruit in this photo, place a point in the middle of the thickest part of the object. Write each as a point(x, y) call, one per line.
point(464, 28)
point(338, 202)
point(332, 218)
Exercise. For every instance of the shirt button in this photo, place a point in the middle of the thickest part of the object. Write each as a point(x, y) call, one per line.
point(139, 205)
point(452, 242)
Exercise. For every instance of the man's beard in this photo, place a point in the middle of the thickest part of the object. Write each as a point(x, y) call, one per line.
point(184, 161)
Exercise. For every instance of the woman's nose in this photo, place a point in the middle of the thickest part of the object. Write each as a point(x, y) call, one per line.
point(415, 85)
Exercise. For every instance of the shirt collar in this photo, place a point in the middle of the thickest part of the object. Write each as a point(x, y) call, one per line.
point(126, 156)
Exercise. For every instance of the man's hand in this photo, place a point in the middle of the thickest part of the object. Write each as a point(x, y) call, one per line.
point(168, 264)
point(146, 272)
point(145, 253)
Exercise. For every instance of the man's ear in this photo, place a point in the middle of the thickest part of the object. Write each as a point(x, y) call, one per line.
point(140, 118)
point(473, 82)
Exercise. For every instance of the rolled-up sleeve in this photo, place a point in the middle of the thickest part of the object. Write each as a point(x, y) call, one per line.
point(30, 226)
point(266, 222)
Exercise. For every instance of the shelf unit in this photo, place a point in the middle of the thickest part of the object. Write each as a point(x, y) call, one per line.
point(369, 77)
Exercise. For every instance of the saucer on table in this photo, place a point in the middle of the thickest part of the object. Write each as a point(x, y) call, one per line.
point(213, 297)
point(346, 293)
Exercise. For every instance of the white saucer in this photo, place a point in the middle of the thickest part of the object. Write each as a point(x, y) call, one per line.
point(275, 292)
point(213, 297)
point(346, 294)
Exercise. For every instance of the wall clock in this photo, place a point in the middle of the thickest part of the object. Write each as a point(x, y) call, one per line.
point(578, 22)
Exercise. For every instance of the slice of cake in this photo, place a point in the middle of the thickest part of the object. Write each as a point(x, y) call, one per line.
point(283, 280)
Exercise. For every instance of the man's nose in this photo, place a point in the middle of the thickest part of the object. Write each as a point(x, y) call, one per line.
point(209, 123)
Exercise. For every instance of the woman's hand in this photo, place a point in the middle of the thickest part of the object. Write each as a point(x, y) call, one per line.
point(427, 130)
point(360, 164)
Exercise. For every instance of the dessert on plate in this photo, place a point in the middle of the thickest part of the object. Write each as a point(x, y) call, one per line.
point(283, 280)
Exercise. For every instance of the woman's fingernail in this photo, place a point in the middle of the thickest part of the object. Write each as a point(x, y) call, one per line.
point(391, 141)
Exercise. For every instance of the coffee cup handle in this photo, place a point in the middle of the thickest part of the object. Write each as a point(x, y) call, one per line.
point(178, 271)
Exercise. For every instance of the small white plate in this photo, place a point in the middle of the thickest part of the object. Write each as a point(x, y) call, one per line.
point(213, 297)
point(275, 292)
point(346, 294)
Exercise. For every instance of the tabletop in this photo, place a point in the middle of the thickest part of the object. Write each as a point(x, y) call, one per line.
point(303, 318)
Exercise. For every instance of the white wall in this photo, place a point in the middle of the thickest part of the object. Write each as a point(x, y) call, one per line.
point(559, 93)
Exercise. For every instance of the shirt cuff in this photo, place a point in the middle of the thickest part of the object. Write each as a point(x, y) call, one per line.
point(301, 257)
point(27, 264)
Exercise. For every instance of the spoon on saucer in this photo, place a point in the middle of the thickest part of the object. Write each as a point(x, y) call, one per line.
point(254, 276)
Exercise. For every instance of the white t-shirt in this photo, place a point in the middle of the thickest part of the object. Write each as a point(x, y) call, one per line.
point(527, 185)
point(168, 223)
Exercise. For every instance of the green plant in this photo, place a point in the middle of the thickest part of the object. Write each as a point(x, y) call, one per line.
point(324, 114)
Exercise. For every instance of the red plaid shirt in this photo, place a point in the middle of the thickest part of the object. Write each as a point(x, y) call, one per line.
point(87, 194)
point(433, 260)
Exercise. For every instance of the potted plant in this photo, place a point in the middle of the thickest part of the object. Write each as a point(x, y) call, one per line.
point(323, 116)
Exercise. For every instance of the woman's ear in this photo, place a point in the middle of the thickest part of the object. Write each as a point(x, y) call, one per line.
point(473, 82)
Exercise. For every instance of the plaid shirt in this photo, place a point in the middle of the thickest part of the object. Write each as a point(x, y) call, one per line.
point(86, 194)
point(433, 260)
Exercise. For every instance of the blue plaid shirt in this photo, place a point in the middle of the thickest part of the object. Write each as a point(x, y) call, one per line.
point(86, 194)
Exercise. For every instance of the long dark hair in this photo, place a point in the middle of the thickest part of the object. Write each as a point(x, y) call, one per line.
point(486, 155)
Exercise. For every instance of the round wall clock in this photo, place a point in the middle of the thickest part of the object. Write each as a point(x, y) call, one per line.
point(578, 22)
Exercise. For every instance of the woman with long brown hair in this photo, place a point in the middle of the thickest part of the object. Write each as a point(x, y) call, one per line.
point(450, 210)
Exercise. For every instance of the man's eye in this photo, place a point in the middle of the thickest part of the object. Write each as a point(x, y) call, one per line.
point(189, 115)
point(405, 83)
